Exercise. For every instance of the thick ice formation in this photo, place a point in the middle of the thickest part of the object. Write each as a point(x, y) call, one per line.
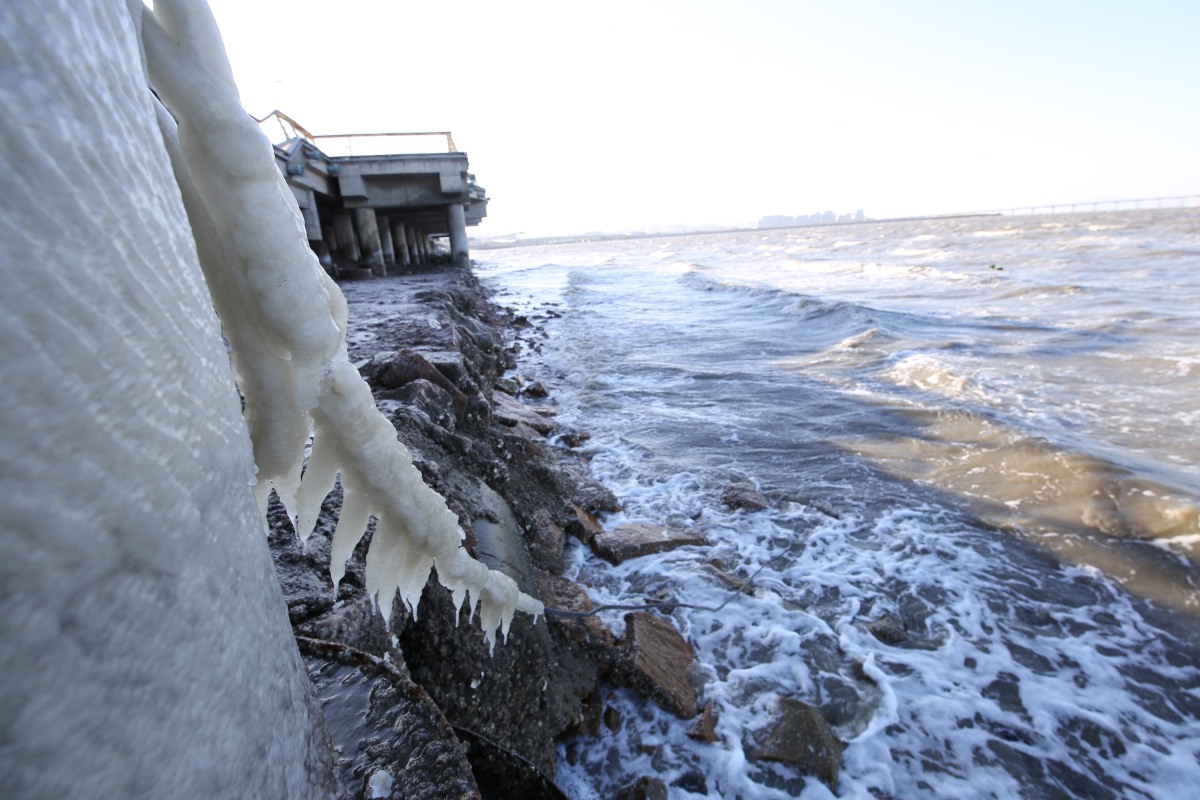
point(286, 323)
point(145, 650)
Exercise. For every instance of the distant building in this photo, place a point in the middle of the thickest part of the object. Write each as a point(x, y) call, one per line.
point(815, 218)
point(776, 221)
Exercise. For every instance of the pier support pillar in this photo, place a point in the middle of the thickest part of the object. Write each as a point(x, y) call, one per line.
point(368, 239)
point(312, 221)
point(385, 241)
point(456, 222)
point(414, 243)
point(347, 244)
point(400, 241)
point(313, 229)
point(321, 251)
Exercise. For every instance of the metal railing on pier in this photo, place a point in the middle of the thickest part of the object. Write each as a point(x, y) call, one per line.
point(356, 144)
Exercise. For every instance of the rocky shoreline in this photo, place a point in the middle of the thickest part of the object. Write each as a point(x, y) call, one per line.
point(424, 710)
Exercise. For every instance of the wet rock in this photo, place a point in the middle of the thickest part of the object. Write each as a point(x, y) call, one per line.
point(743, 495)
point(589, 632)
point(574, 439)
point(545, 540)
point(704, 729)
point(717, 570)
point(391, 369)
point(644, 788)
point(478, 413)
point(535, 389)
point(583, 525)
point(888, 629)
point(499, 542)
point(510, 412)
point(612, 719)
point(655, 660)
point(451, 363)
point(520, 695)
point(692, 781)
point(502, 773)
point(475, 330)
point(356, 623)
point(799, 735)
point(523, 694)
point(521, 431)
point(631, 541)
point(534, 687)
point(590, 714)
point(586, 490)
point(507, 385)
point(385, 724)
point(433, 400)
point(303, 571)
point(521, 444)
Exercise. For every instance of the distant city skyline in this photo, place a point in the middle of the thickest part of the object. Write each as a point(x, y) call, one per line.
point(661, 113)
point(815, 218)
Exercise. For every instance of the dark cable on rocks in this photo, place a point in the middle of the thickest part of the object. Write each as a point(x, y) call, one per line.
point(666, 604)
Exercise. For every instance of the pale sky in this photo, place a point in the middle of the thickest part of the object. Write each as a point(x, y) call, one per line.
point(582, 116)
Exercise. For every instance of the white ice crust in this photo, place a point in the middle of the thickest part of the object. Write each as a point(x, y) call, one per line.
point(286, 324)
point(146, 650)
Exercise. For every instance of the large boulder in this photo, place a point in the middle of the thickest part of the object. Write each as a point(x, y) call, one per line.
point(657, 661)
point(631, 541)
point(743, 495)
point(797, 734)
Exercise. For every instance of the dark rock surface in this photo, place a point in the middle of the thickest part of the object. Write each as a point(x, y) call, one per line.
point(644, 788)
point(743, 495)
point(630, 541)
point(798, 734)
point(657, 661)
point(583, 524)
point(386, 727)
point(432, 350)
point(888, 629)
point(587, 632)
point(704, 729)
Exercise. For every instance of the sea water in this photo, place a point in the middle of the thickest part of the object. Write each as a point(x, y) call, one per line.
point(979, 431)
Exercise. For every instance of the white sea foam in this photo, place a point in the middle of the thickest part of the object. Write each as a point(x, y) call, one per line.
point(983, 686)
point(931, 374)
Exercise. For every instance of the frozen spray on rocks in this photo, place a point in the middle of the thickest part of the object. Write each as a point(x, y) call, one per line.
point(288, 323)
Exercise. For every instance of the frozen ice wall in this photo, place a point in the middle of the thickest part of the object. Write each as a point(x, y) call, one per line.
point(144, 647)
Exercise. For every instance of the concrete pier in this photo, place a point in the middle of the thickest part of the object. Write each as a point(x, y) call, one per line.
point(379, 211)
point(385, 241)
point(418, 245)
point(368, 239)
point(347, 239)
point(400, 241)
point(456, 222)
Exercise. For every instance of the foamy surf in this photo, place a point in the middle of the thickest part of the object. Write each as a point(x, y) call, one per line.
point(979, 563)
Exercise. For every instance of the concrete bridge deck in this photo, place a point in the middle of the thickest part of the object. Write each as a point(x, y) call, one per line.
point(383, 212)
